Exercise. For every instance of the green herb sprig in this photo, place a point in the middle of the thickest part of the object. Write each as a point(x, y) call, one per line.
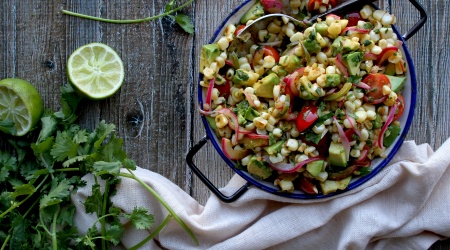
point(41, 171)
point(170, 9)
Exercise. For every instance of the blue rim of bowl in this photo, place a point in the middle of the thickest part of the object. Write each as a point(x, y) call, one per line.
point(357, 181)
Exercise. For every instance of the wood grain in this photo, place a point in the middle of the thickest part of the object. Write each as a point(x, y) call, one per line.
point(156, 109)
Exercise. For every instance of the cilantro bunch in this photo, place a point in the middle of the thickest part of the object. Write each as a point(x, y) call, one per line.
point(39, 172)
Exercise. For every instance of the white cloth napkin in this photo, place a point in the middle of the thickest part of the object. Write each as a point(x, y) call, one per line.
point(405, 206)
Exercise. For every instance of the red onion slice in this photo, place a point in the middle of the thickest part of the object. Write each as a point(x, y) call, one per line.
point(344, 139)
point(369, 56)
point(208, 94)
point(351, 123)
point(290, 167)
point(362, 85)
point(375, 101)
point(331, 91)
point(257, 136)
point(385, 126)
point(355, 29)
point(340, 65)
point(250, 100)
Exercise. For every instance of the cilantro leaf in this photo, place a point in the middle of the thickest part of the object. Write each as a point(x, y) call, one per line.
point(185, 23)
point(354, 79)
point(93, 202)
point(64, 147)
point(114, 233)
point(103, 167)
point(49, 124)
point(58, 192)
point(170, 5)
point(140, 218)
point(24, 189)
point(313, 137)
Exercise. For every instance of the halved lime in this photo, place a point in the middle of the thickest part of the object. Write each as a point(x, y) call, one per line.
point(96, 70)
point(20, 103)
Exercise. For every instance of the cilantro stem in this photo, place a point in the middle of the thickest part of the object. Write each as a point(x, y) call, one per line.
point(6, 242)
point(54, 240)
point(103, 213)
point(127, 21)
point(163, 202)
point(157, 230)
point(22, 201)
point(66, 169)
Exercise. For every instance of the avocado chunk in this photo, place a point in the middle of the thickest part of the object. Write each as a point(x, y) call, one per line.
point(377, 122)
point(332, 80)
point(392, 132)
point(275, 148)
point(241, 119)
point(248, 143)
point(251, 114)
point(244, 78)
point(306, 90)
point(352, 61)
point(337, 155)
point(253, 13)
point(293, 63)
point(322, 28)
point(312, 46)
point(397, 83)
point(329, 186)
point(390, 69)
point(264, 87)
point(259, 168)
point(337, 45)
point(315, 167)
point(208, 55)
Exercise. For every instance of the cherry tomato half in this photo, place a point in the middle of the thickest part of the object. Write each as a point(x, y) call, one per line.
point(224, 90)
point(353, 19)
point(265, 51)
point(239, 29)
point(376, 81)
point(400, 107)
point(307, 116)
point(307, 186)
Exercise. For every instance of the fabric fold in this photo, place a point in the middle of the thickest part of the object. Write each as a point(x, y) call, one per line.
point(404, 206)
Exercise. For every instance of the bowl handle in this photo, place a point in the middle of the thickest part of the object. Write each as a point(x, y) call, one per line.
point(206, 181)
point(419, 24)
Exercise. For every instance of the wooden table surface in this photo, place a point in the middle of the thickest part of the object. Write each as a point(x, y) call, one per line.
point(155, 111)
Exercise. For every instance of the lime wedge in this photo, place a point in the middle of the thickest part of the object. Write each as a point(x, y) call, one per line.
point(95, 70)
point(20, 103)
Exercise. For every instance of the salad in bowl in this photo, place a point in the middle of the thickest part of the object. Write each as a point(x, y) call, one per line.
point(308, 109)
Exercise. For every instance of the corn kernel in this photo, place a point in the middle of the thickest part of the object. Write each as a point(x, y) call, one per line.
point(269, 62)
point(378, 14)
point(298, 36)
point(366, 12)
point(221, 120)
point(387, 19)
point(292, 144)
point(262, 35)
point(273, 28)
point(362, 116)
point(223, 43)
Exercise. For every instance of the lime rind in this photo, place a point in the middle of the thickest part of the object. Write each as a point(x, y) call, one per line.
point(20, 103)
point(96, 70)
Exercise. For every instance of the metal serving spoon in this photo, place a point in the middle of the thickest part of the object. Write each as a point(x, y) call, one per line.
point(259, 23)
